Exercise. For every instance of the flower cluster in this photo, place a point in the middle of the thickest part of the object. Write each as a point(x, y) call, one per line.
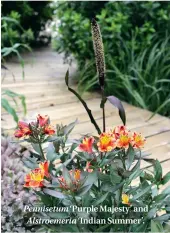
point(40, 127)
point(36, 177)
point(120, 137)
point(74, 180)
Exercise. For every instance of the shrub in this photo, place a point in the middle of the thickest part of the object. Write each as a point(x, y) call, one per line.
point(130, 31)
point(31, 15)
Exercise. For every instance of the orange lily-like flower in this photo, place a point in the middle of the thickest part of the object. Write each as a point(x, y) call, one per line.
point(42, 120)
point(23, 130)
point(44, 167)
point(106, 142)
point(123, 141)
point(49, 130)
point(125, 199)
point(87, 144)
point(34, 179)
point(75, 176)
point(137, 140)
point(118, 130)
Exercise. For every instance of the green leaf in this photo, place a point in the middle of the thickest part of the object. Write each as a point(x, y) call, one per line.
point(30, 163)
point(83, 103)
point(157, 171)
point(83, 190)
point(91, 178)
point(152, 213)
point(117, 103)
point(114, 177)
point(166, 178)
point(60, 215)
point(130, 156)
point(54, 193)
point(68, 128)
point(159, 197)
point(141, 193)
point(5, 104)
point(156, 226)
point(66, 176)
point(108, 187)
point(51, 155)
point(166, 190)
point(100, 200)
point(36, 148)
point(164, 217)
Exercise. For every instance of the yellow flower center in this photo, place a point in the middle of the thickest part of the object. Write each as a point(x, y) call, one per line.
point(124, 138)
point(125, 199)
point(36, 176)
point(77, 175)
point(105, 139)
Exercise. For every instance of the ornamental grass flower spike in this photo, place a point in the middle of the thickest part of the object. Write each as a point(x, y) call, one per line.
point(125, 199)
point(106, 142)
point(137, 140)
point(87, 144)
point(99, 51)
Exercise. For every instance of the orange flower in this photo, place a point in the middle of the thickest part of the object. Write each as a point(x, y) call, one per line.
point(106, 142)
point(118, 130)
point(34, 179)
point(123, 141)
point(125, 199)
point(23, 130)
point(75, 176)
point(62, 182)
point(87, 144)
point(42, 120)
point(137, 140)
point(44, 168)
point(49, 130)
point(18, 133)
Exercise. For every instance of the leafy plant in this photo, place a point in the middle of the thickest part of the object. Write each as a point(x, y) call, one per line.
point(88, 185)
point(136, 43)
point(7, 106)
point(31, 16)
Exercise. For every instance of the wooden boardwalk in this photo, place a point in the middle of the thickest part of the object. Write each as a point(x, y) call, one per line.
point(46, 93)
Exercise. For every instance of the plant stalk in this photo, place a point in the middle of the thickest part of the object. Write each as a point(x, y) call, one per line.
point(103, 108)
point(42, 153)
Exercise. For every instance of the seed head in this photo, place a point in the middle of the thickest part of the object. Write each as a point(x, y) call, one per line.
point(99, 51)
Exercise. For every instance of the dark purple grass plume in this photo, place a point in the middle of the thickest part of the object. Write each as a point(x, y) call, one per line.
point(99, 51)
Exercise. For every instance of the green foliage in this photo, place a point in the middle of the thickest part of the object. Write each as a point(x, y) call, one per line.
point(104, 187)
point(137, 49)
point(7, 106)
point(31, 16)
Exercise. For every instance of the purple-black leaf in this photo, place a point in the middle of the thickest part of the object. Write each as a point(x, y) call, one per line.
point(118, 104)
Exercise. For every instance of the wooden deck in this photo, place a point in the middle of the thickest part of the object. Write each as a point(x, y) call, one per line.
point(46, 93)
